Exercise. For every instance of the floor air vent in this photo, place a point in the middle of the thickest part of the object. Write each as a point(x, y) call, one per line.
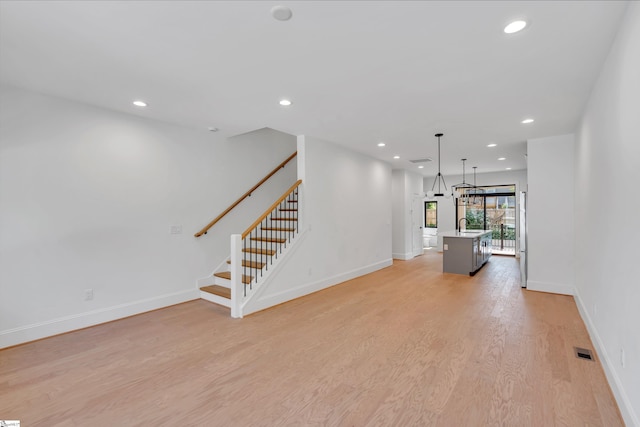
point(583, 353)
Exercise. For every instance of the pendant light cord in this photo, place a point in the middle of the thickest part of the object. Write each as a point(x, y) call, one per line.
point(439, 177)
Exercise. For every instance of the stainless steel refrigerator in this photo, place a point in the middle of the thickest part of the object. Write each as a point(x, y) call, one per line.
point(523, 239)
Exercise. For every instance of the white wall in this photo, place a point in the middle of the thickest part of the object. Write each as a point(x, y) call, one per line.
point(87, 201)
point(550, 215)
point(446, 207)
point(345, 222)
point(607, 173)
point(405, 187)
point(398, 217)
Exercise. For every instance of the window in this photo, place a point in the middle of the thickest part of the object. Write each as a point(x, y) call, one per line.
point(494, 209)
point(431, 214)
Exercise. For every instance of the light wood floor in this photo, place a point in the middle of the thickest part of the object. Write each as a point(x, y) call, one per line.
point(405, 346)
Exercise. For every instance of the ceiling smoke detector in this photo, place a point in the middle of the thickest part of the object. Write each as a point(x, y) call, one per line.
point(281, 13)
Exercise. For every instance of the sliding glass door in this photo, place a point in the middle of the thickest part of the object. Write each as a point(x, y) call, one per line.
point(491, 208)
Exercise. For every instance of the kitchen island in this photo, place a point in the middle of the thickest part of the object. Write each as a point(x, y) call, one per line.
point(465, 252)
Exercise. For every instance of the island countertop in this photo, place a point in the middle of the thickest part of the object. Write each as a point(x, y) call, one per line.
point(465, 234)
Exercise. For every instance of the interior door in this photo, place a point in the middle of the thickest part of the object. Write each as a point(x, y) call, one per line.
point(417, 219)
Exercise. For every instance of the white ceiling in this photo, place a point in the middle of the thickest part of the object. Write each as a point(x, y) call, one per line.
point(357, 72)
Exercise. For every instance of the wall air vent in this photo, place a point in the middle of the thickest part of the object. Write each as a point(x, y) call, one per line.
point(428, 159)
point(583, 353)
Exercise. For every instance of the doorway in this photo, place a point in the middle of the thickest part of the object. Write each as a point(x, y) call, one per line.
point(416, 226)
point(430, 224)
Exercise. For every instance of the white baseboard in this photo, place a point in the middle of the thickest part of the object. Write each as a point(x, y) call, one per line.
point(552, 288)
point(626, 409)
point(36, 331)
point(267, 301)
point(404, 257)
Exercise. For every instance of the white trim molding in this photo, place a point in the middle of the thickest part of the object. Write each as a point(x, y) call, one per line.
point(552, 288)
point(403, 257)
point(626, 409)
point(36, 331)
point(261, 303)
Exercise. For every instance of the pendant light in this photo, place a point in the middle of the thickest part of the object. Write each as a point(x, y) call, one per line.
point(467, 193)
point(476, 190)
point(439, 178)
point(461, 191)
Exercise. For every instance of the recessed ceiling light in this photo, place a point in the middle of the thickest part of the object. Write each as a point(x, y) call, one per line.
point(281, 13)
point(396, 157)
point(381, 144)
point(514, 27)
point(502, 158)
point(285, 102)
point(420, 167)
point(491, 145)
point(139, 103)
point(212, 129)
point(525, 121)
point(508, 169)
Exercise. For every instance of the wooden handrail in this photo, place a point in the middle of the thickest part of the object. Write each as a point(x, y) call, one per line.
point(268, 211)
point(244, 196)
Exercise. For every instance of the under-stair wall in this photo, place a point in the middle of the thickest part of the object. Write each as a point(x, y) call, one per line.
point(345, 226)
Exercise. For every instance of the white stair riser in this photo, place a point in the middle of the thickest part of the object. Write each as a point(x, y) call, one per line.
point(266, 245)
point(215, 298)
point(222, 282)
point(250, 271)
point(274, 233)
point(226, 283)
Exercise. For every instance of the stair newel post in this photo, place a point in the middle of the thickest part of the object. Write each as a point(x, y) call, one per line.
point(237, 286)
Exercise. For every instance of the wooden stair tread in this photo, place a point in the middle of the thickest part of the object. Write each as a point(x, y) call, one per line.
point(268, 239)
point(250, 264)
point(278, 229)
point(221, 291)
point(259, 251)
point(283, 219)
point(227, 275)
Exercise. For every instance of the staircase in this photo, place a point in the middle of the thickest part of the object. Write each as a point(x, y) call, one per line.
point(254, 253)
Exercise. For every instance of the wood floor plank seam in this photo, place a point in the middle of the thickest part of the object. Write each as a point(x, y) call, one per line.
point(406, 345)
